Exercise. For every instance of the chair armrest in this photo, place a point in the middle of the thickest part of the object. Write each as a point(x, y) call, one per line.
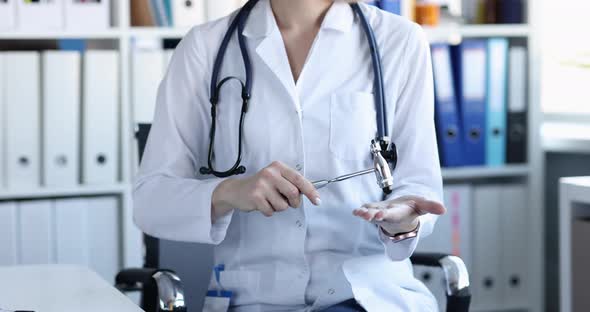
point(133, 279)
point(168, 284)
point(456, 277)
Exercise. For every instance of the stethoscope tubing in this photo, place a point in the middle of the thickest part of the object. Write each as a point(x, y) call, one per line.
point(238, 23)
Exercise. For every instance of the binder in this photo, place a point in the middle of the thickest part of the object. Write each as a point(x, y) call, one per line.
point(487, 248)
point(87, 15)
point(36, 238)
point(71, 224)
point(510, 11)
point(100, 117)
point(158, 9)
point(7, 15)
point(2, 124)
point(217, 9)
point(141, 13)
point(450, 141)
point(451, 235)
point(496, 101)
point(392, 6)
point(61, 117)
point(469, 60)
point(39, 15)
point(22, 119)
point(88, 234)
point(104, 235)
point(517, 107)
point(187, 13)
point(147, 72)
point(459, 204)
point(8, 234)
point(515, 213)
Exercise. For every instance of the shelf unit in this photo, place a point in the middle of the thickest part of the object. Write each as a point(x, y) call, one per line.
point(121, 36)
point(62, 192)
point(478, 173)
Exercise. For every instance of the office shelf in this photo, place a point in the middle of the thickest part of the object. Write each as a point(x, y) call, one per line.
point(113, 33)
point(74, 191)
point(453, 33)
point(470, 173)
point(157, 32)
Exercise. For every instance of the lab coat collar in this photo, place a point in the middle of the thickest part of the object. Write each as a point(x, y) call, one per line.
point(339, 17)
point(261, 21)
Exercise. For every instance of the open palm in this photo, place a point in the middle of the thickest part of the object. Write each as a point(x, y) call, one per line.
point(398, 215)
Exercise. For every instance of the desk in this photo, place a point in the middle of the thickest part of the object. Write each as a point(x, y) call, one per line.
point(59, 288)
point(574, 203)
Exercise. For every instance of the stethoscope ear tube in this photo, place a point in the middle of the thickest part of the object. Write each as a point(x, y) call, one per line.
point(379, 87)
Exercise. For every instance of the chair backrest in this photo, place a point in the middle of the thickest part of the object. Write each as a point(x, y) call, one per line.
point(152, 244)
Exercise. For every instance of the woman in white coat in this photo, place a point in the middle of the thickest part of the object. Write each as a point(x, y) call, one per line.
point(311, 117)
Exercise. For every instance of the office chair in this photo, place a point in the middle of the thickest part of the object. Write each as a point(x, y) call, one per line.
point(162, 290)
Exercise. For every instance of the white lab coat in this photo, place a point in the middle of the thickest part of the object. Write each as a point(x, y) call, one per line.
point(313, 257)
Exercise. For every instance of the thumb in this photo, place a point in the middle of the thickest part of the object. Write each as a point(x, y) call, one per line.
point(425, 206)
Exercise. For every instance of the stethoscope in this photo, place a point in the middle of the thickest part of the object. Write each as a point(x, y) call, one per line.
point(383, 152)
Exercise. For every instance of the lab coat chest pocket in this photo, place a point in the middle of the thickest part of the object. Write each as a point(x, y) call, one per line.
point(352, 125)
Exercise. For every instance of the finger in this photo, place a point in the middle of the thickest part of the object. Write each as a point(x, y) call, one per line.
point(265, 208)
point(289, 191)
point(424, 206)
point(304, 186)
point(366, 213)
point(277, 202)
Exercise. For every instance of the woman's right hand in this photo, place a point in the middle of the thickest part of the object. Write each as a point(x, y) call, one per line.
point(273, 189)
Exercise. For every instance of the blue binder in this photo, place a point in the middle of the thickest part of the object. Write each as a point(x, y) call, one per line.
point(469, 68)
point(392, 6)
point(450, 140)
point(496, 101)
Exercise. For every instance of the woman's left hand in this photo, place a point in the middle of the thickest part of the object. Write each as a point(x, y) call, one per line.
point(399, 215)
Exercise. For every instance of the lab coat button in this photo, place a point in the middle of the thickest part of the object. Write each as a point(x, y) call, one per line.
point(299, 224)
point(298, 167)
point(331, 291)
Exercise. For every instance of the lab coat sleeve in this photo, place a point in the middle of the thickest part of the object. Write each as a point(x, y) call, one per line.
point(418, 170)
point(171, 200)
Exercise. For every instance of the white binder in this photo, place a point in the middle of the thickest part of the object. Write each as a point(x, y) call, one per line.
point(2, 124)
point(71, 224)
point(104, 235)
point(147, 72)
point(487, 248)
point(40, 15)
point(61, 117)
point(451, 235)
point(515, 213)
point(459, 203)
point(87, 15)
point(187, 13)
point(100, 126)
point(219, 8)
point(7, 14)
point(22, 120)
point(8, 234)
point(36, 232)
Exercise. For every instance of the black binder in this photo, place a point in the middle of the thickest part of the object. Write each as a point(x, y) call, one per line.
point(517, 132)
